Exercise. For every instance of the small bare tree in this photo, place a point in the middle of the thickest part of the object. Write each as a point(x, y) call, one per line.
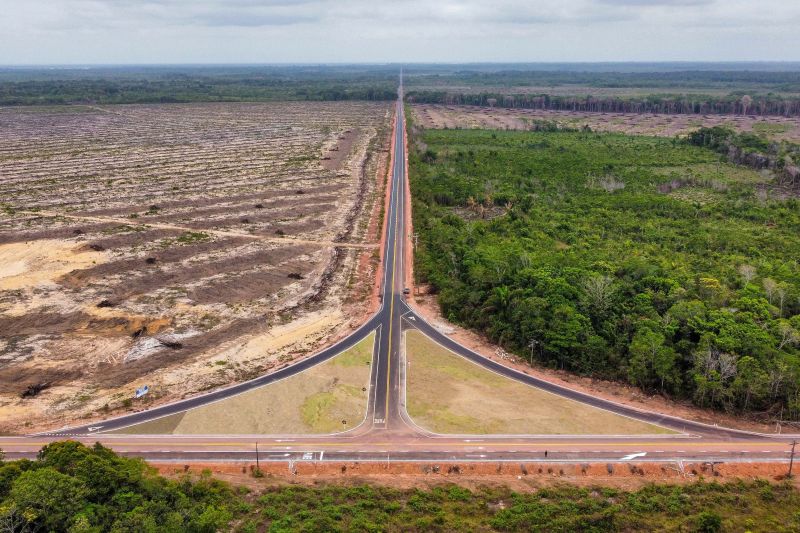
point(599, 290)
point(788, 334)
point(781, 293)
point(747, 100)
point(748, 272)
point(770, 287)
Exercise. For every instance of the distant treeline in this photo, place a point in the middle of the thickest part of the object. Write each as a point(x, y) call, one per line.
point(659, 76)
point(733, 104)
point(120, 86)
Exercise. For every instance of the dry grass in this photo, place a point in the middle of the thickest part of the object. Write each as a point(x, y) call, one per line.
point(314, 401)
point(448, 394)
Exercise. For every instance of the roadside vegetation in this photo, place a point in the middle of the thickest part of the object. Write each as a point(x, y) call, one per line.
point(71, 487)
point(642, 259)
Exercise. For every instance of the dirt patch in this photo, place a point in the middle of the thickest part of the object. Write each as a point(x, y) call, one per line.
point(336, 154)
point(448, 394)
point(520, 477)
point(28, 264)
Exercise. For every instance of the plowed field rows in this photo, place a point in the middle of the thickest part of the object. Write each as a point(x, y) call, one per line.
point(144, 244)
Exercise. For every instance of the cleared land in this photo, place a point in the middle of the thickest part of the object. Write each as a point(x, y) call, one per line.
point(179, 246)
point(474, 117)
point(448, 394)
point(314, 401)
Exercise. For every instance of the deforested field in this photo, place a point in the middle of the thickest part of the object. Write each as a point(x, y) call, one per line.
point(179, 246)
point(434, 116)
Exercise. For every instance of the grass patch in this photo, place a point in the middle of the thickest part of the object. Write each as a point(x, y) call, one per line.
point(190, 237)
point(771, 128)
point(448, 394)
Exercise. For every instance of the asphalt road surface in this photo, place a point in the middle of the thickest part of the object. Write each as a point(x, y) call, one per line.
point(387, 433)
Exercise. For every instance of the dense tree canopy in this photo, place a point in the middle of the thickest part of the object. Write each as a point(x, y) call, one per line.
point(642, 259)
point(71, 487)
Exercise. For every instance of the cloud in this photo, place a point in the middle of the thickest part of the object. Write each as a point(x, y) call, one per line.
point(657, 3)
point(108, 31)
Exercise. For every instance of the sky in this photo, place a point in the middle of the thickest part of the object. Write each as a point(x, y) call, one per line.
point(378, 31)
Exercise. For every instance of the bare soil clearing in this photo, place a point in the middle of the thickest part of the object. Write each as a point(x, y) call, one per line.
point(26, 265)
point(140, 243)
point(448, 394)
point(469, 117)
point(314, 401)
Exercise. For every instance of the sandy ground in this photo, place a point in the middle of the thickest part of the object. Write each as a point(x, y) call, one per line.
point(316, 401)
point(426, 305)
point(443, 116)
point(448, 394)
point(28, 264)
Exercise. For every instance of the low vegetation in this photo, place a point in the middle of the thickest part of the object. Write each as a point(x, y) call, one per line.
point(752, 150)
point(71, 487)
point(634, 258)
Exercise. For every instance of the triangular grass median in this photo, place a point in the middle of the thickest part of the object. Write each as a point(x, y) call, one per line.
point(316, 400)
point(451, 395)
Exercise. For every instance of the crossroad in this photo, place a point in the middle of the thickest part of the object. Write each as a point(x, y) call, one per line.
point(387, 431)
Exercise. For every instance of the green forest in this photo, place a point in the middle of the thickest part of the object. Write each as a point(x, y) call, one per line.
point(648, 260)
point(74, 488)
point(130, 85)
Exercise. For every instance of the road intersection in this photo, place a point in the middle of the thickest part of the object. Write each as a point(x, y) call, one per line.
point(387, 431)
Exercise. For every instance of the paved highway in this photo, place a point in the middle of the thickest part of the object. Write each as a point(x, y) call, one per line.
point(387, 432)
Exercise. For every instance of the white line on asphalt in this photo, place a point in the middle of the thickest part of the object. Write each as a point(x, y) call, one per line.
point(633, 456)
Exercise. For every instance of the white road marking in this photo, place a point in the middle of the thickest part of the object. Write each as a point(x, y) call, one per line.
point(633, 456)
